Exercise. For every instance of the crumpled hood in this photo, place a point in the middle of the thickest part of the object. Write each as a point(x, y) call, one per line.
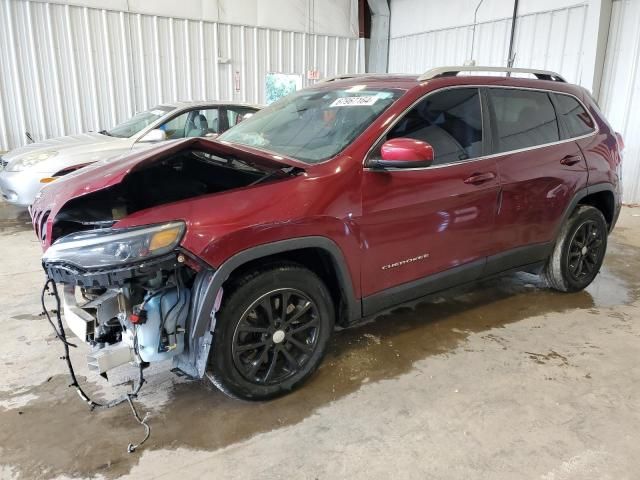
point(69, 147)
point(106, 173)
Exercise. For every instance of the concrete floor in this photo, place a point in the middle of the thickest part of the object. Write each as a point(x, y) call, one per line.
point(508, 380)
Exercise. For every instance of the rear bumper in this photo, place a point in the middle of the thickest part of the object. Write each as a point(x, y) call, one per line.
point(20, 188)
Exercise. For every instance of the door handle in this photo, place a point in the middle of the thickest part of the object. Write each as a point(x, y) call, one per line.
point(478, 178)
point(571, 160)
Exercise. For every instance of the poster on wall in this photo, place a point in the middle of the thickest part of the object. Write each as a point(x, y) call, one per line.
point(279, 85)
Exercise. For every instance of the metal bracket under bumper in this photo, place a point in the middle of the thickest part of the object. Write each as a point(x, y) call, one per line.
point(79, 321)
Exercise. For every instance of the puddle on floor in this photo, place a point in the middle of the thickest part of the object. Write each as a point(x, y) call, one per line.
point(57, 434)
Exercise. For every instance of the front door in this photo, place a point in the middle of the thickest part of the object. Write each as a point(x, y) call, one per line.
point(433, 220)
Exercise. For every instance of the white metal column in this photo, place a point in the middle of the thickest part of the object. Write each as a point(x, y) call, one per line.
point(620, 91)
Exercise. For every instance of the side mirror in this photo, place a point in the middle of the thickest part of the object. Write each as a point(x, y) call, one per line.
point(405, 153)
point(155, 135)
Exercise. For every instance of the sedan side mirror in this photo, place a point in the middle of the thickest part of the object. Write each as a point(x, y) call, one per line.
point(404, 153)
point(155, 135)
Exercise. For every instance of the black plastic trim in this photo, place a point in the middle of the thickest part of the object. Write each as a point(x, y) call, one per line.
point(424, 286)
point(522, 258)
point(209, 291)
point(488, 122)
point(517, 257)
point(108, 277)
point(584, 192)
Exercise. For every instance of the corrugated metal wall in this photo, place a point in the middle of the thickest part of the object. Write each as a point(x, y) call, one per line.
point(549, 40)
point(67, 69)
point(620, 90)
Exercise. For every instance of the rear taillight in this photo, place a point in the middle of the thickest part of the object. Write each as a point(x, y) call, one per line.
point(620, 142)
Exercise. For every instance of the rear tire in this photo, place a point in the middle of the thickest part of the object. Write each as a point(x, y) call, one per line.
point(579, 250)
point(260, 349)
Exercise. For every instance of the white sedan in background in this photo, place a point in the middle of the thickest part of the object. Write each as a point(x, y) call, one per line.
point(25, 170)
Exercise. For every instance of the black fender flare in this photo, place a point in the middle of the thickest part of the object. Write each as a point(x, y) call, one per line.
point(583, 193)
point(212, 279)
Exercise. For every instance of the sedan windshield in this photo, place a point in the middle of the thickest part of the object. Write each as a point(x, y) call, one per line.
point(138, 122)
point(312, 125)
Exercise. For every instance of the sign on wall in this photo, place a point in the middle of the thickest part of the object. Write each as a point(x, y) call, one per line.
point(313, 74)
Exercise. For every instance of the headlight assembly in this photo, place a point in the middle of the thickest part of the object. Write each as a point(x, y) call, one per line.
point(29, 160)
point(114, 247)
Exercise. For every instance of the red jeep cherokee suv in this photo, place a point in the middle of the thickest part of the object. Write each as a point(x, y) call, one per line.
point(236, 257)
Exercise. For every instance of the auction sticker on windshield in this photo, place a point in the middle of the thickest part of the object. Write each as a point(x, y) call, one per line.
point(354, 101)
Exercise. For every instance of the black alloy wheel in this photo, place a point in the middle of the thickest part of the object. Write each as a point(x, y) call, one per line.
point(276, 336)
point(585, 250)
point(272, 331)
point(579, 250)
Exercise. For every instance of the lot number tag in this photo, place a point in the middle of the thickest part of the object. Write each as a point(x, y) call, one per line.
point(355, 101)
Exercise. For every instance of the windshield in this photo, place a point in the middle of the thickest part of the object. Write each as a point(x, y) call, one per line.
point(313, 126)
point(138, 122)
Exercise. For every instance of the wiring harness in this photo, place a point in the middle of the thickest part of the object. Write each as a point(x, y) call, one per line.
point(51, 289)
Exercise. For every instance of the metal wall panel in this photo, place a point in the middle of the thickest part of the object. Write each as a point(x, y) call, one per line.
point(550, 40)
point(68, 69)
point(620, 90)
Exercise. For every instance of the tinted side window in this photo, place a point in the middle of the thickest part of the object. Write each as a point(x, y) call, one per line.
point(523, 119)
point(450, 121)
point(574, 116)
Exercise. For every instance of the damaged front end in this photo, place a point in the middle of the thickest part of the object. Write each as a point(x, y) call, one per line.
point(121, 245)
point(127, 293)
point(134, 294)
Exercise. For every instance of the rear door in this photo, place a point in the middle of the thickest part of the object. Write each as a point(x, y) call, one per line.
point(419, 222)
point(540, 171)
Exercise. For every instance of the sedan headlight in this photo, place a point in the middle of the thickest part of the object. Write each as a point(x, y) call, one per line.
point(29, 160)
point(114, 247)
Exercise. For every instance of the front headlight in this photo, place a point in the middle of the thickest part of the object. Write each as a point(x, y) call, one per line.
point(113, 247)
point(29, 160)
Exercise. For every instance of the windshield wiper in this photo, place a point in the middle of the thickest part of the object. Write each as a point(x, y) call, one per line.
point(104, 132)
point(225, 161)
point(289, 171)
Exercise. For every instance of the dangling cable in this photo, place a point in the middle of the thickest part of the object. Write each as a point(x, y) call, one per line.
point(46, 313)
point(61, 335)
point(132, 447)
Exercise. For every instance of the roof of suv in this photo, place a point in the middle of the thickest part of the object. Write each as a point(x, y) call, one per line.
point(474, 72)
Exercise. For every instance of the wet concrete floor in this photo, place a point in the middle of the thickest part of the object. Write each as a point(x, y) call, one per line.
point(46, 431)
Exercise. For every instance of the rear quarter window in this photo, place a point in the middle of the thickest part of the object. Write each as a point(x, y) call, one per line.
point(576, 119)
point(523, 118)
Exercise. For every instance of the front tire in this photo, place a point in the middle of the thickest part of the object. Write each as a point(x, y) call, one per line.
point(579, 250)
point(272, 332)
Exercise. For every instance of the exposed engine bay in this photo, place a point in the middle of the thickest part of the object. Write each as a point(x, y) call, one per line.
point(140, 321)
point(187, 174)
point(144, 318)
